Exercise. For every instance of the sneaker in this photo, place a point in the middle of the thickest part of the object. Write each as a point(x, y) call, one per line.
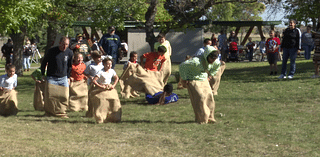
point(315, 76)
point(290, 77)
point(271, 73)
point(282, 77)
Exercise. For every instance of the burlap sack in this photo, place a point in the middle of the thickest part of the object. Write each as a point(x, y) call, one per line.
point(78, 99)
point(140, 80)
point(89, 113)
point(8, 103)
point(126, 90)
point(56, 100)
point(38, 97)
point(107, 107)
point(166, 68)
point(215, 82)
point(202, 101)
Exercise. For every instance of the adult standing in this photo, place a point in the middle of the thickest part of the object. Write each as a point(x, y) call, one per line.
point(27, 52)
point(110, 44)
point(80, 46)
point(223, 46)
point(166, 68)
point(290, 44)
point(7, 50)
point(58, 61)
point(307, 42)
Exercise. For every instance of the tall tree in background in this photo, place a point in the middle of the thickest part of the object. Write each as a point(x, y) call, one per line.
point(234, 12)
point(183, 13)
point(16, 19)
point(306, 11)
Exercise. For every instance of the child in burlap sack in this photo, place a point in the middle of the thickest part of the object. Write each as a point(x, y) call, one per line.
point(107, 107)
point(78, 90)
point(38, 97)
point(8, 96)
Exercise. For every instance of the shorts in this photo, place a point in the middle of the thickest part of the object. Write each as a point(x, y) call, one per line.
point(272, 57)
point(316, 58)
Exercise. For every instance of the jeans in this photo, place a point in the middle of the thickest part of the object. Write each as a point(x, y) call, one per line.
point(250, 54)
point(292, 53)
point(26, 62)
point(307, 50)
point(60, 81)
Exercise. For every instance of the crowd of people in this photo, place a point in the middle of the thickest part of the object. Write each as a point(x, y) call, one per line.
point(64, 82)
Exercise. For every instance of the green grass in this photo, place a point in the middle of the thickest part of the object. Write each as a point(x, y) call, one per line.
point(257, 115)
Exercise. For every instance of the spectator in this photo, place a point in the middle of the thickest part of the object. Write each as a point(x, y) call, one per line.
point(291, 43)
point(27, 52)
point(272, 46)
point(307, 42)
point(7, 51)
point(262, 47)
point(110, 44)
point(223, 46)
point(213, 40)
point(250, 46)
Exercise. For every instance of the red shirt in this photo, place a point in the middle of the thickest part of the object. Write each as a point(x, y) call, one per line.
point(272, 43)
point(233, 46)
point(77, 71)
point(153, 59)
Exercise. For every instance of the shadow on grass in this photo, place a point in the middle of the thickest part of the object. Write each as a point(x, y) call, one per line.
point(57, 120)
point(158, 121)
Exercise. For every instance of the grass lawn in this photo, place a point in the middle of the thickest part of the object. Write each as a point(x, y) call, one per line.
point(257, 115)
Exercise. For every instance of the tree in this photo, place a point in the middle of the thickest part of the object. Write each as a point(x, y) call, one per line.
point(304, 11)
point(16, 18)
point(183, 14)
point(234, 12)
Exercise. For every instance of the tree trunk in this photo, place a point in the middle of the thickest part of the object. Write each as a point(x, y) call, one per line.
point(18, 41)
point(150, 17)
point(51, 35)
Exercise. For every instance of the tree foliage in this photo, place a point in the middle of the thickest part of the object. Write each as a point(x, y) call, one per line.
point(306, 11)
point(184, 13)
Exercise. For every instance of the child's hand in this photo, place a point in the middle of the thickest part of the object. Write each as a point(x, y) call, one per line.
point(1, 88)
point(38, 81)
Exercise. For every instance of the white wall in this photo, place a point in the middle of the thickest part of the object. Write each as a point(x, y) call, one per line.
point(182, 43)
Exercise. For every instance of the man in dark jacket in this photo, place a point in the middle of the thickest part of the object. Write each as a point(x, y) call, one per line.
point(7, 50)
point(58, 61)
point(110, 44)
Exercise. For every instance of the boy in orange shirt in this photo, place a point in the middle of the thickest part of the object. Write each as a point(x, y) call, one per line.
point(153, 59)
point(78, 90)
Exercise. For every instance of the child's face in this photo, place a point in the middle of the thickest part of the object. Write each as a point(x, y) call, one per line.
point(78, 59)
point(211, 60)
point(11, 72)
point(271, 34)
point(107, 65)
point(134, 58)
point(161, 40)
point(97, 60)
